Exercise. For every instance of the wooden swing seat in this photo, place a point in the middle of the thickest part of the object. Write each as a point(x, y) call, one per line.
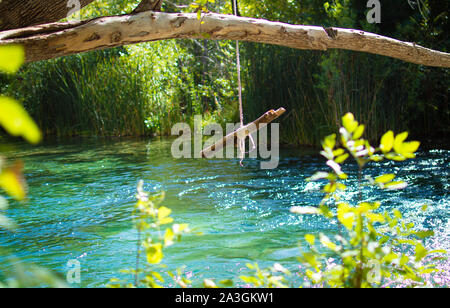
point(244, 131)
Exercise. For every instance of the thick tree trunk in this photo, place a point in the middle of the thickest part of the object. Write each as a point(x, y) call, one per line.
point(23, 13)
point(61, 39)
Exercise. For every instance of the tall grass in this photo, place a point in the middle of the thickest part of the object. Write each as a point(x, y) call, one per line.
point(316, 88)
point(132, 91)
point(97, 94)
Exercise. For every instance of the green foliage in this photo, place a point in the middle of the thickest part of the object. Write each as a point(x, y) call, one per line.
point(317, 87)
point(201, 6)
point(372, 246)
point(274, 277)
point(150, 218)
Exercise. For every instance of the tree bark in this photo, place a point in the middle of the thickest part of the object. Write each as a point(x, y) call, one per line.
point(23, 13)
point(148, 5)
point(61, 39)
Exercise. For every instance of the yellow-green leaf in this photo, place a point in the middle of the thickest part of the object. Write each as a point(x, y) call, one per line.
point(17, 122)
point(165, 220)
point(154, 253)
point(163, 212)
point(385, 178)
point(349, 122)
point(387, 142)
point(420, 252)
point(328, 243)
point(11, 180)
point(398, 142)
point(358, 132)
point(345, 216)
point(340, 159)
point(410, 147)
point(11, 58)
point(329, 142)
point(310, 239)
point(168, 237)
point(375, 217)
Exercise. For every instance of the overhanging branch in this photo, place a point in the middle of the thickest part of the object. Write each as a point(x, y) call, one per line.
point(61, 39)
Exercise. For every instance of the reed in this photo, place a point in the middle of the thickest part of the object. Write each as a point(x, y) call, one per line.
point(317, 87)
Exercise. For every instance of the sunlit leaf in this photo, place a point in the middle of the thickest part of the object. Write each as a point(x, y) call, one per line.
point(330, 188)
point(154, 253)
point(340, 159)
point(424, 234)
point(385, 178)
point(17, 122)
point(163, 212)
point(329, 142)
point(325, 241)
point(410, 147)
point(420, 252)
point(345, 216)
point(11, 180)
point(398, 142)
point(387, 142)
point(168, 237)
point(373, 217)
point(11, 58)
point(310, 239)
point(349, 123)
point(358, 132)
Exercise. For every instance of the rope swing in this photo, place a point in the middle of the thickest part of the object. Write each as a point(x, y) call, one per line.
point(239, 136)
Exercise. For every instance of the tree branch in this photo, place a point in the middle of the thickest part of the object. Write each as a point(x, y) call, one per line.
point(61, 39)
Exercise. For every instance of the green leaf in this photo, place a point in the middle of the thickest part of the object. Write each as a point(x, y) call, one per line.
point(346, 216)
point(385, 178)
point(154, 253)
point(398, 142)
point(329, 142)
point(358, 132)
point(420, 252)
point(424, 234)
point(375, 217)
point(349, 123)
point(168, 237)
point(325, 241)
point(227, 282)
point(330, 188)
point(310, 239)
point(410, 147)
point(11, 58)
point(341, 159)
point(17, 122)
point(387, 142)
point(163, 212)
point(11, 180)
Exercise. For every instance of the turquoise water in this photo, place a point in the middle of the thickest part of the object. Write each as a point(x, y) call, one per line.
point(81, 195)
